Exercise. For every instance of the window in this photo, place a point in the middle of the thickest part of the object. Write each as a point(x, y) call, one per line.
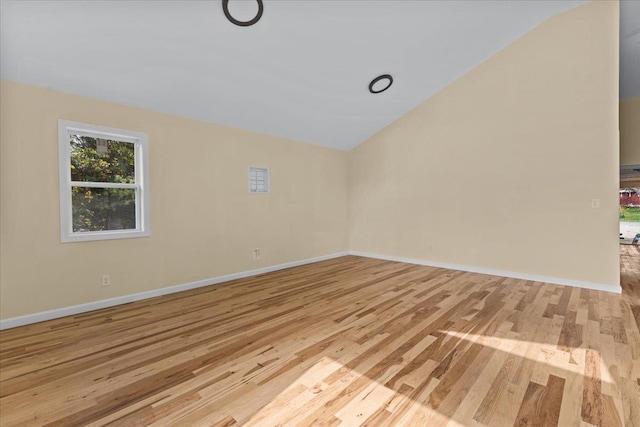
point(259, 180)
point(104, 183)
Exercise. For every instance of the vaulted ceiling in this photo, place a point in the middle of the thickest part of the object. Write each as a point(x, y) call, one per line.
point(629, 49)
point(301, 72)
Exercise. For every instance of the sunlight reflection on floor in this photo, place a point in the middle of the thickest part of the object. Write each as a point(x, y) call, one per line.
point(547, 353)
point(309, 401)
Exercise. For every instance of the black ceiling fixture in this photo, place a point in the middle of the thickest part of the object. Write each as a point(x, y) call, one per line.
point(377, 79)
point(225, 9)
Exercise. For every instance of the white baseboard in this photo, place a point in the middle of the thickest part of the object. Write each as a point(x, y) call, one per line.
point(524, 276)
point(111, 302)
point(96, 305)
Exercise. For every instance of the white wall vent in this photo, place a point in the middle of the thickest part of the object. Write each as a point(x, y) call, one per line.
point(259, 180)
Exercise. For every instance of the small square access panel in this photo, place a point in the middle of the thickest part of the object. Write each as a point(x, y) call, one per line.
point(259, 180)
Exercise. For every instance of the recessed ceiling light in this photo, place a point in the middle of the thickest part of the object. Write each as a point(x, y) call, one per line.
point(380, 83)
point(225, 9)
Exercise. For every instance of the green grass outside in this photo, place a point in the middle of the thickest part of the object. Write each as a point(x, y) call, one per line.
point(628, 214)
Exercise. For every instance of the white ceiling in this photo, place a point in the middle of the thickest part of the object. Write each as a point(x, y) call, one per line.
point(629, 49)
point(302, 72)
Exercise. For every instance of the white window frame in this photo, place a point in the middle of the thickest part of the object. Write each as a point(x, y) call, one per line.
point(143, 205)
point(267, 179)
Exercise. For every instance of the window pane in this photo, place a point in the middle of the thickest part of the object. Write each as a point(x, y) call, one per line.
point(99, 209)
point(102, 160)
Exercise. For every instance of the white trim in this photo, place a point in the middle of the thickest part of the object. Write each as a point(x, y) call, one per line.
point(141, 186)
point(91, 184)
point(472, 269)
point(111, 302)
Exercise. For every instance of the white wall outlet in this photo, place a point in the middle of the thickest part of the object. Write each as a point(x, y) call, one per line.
point(256, 254)
point(595, 203)
point(106, 280)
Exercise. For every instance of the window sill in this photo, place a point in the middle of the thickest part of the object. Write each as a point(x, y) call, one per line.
point(103, 235)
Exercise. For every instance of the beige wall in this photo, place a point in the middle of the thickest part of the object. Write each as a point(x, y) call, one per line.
point(204, 221)
point(498, 170)
point(630, 131)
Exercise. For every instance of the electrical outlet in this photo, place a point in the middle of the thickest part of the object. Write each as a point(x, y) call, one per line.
point(256, 254)
point(595, 203)
point(106, 280)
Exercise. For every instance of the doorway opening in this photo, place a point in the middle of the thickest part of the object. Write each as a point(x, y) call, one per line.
point(630, 205)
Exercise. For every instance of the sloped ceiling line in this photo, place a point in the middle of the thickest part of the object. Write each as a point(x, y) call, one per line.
point(298, 74)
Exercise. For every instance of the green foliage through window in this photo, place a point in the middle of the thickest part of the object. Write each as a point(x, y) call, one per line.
point(99, 209)
point(116, 165)
point(629, 214)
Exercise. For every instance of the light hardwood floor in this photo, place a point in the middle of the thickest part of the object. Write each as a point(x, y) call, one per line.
point(350, 341)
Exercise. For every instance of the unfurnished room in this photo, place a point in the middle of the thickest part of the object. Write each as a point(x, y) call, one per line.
point(320, 213)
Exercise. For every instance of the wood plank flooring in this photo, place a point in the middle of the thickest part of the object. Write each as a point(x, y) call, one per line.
point(350, 341)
